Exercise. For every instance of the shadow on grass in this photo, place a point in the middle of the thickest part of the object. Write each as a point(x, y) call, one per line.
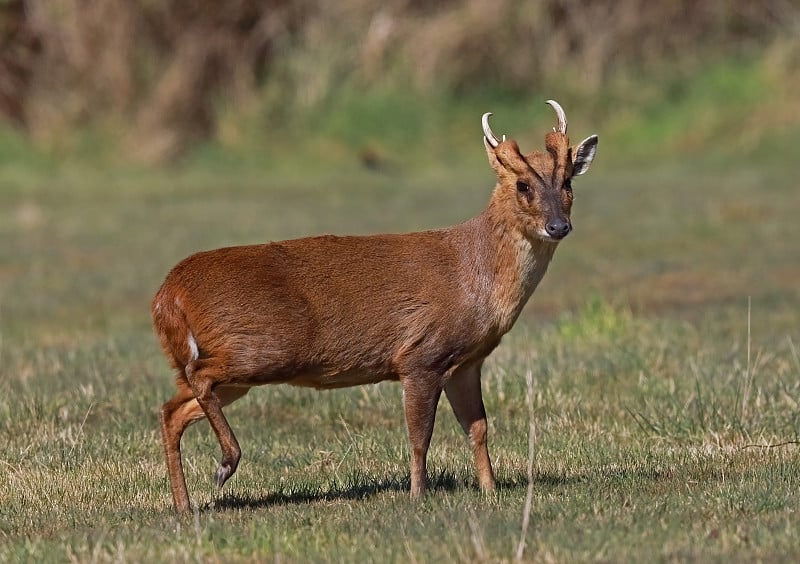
point(353, 489)
point(302, 495)
point(359, 488)
point(363, 489)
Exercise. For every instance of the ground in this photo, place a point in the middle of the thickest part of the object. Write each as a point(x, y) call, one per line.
point(663, 347)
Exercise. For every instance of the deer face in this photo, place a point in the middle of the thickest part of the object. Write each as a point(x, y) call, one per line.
point(537, 188)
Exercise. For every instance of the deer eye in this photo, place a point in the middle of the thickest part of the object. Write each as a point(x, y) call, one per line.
point(523, 188)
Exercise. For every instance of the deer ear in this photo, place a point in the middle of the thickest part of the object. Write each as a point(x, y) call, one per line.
point(506, 160)
point(493, 160)
point(584, 155)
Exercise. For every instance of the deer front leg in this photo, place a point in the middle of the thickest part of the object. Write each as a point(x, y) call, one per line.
point(463, 391)
point(420, 398)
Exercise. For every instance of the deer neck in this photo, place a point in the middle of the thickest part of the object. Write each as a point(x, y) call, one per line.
point(508, 264)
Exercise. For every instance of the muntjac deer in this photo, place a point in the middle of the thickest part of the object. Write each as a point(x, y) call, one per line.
point(327, 312)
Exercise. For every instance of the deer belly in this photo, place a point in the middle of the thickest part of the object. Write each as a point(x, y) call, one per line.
point(342, 379)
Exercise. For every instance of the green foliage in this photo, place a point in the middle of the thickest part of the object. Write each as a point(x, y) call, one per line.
point(709, 111)
point(18, 155)
point(737, 106)
point(597, 319)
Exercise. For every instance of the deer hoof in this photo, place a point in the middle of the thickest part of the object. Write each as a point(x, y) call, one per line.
point(224, 472)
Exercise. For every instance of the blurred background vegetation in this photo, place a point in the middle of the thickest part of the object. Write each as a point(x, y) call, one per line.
point(310, 82)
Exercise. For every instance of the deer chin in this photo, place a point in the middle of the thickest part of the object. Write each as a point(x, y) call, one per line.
point(543, 236)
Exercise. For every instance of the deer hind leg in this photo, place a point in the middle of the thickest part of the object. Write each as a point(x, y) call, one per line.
point(176, 415)
point(420, 398)
point(463, 391)
point(203, 376)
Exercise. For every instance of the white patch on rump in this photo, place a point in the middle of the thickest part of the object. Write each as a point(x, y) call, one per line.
point(195, 353)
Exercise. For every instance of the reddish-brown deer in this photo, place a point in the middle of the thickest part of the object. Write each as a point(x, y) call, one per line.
point(327, 312)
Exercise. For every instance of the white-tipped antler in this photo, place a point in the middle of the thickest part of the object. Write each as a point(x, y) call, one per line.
point(488, 136)
point(562, 117)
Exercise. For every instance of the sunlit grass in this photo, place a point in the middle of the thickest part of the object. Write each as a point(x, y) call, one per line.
point(666, 411)
point(634, 454)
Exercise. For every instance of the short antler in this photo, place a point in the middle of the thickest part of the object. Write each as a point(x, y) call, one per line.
point(562, 117)
point(488, 136)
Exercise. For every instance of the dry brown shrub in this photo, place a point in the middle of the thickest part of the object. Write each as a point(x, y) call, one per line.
point(157, 68)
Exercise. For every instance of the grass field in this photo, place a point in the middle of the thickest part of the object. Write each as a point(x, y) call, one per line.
point(664, 348)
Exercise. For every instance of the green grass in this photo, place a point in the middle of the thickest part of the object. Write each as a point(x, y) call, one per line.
point(650, 394)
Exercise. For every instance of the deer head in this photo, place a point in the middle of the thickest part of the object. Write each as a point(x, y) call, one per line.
point(536, 188)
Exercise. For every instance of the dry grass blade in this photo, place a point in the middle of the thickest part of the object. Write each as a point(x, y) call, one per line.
point(526, 516)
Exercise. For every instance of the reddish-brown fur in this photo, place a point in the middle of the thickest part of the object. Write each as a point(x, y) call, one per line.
point(326, 312)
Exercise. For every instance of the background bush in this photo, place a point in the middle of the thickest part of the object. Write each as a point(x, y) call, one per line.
point(163, 75)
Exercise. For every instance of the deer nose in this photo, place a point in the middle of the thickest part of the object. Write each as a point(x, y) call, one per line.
point(558, 228)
